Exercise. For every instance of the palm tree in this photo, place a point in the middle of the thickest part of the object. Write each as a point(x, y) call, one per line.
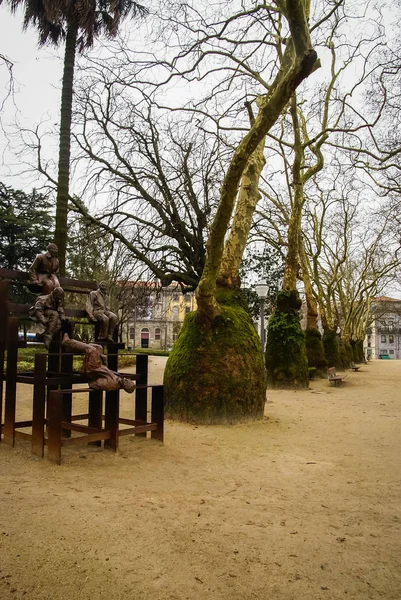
point(77, 22)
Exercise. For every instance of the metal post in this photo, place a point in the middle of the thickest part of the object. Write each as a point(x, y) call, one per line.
point(261, 289)
point(262, 323)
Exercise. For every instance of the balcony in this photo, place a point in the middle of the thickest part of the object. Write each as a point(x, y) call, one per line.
point(388, 329)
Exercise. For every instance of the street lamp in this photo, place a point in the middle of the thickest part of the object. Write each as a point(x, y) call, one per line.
point(261, 290)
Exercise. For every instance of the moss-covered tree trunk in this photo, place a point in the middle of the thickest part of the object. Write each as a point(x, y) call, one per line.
point(286, 361)
point(313, 338)
point(302, 172)
point(360, 356)
point(331, 348)
point(226, 350)
point(215, 371)
point(345, 354)
point(357, 350)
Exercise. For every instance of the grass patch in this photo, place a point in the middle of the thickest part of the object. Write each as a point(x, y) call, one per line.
point(148, 351)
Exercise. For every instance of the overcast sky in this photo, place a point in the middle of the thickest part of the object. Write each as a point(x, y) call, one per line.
point(37, 77)
point(37, 74)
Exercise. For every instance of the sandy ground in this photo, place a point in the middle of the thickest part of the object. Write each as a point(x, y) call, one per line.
point(304, 505)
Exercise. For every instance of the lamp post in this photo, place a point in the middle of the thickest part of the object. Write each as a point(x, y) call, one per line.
point(261, 290)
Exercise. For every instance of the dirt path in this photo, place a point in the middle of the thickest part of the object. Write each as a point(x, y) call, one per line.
point(302, 506)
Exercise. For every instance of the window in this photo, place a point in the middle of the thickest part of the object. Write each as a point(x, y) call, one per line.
point(132, 333)
point(383, 339)
point(383, 351)
point(369, 345)
point(157, 333)
point(175, 313)
point(187, 297)
point(391, 339)
point(176, 297)
point(391, 351)
point(187, 309)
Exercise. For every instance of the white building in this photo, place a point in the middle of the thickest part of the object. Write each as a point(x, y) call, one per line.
point(383, 336)
point(156, 321)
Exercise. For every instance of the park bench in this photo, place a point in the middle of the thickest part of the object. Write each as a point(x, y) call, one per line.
point(355, 367)
point(334, 378)
point(52, 383)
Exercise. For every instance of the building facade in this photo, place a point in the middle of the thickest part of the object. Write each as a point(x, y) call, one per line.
point(156, 322)
point(383, 336)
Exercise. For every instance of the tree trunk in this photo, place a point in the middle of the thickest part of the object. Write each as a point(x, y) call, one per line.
point(215, 371)
point(311, 304)
point(332, 348)
point(294, 69)
point(60, 237)
point(248, 198)
point(286, 360)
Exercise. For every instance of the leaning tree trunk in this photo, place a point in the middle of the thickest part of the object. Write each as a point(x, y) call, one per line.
point(286, 360)
point(60, 237)
point(213, 371)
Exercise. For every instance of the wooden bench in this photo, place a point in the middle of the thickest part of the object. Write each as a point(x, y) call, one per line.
point(355, 367)
point(334, 378)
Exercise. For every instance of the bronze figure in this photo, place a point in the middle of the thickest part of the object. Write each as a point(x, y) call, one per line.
point(100, 377)
point(44, 270)
point(98, 310)
point(49, 311)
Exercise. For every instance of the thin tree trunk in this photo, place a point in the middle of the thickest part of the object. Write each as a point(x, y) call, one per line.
point(65, 145)
point(311, 304)
point(248, 198)
point(294, 228)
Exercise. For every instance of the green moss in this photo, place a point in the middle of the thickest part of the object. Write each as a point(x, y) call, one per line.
point(149, 351)
point(357, 351)
point(345, 362)
point(286, 361)
point(315, 352)
point(331, 348)
point(24, 366)
point(288, 301)
point(350, 353)
point(360, 356)
point(215, 374)
point(312, 372)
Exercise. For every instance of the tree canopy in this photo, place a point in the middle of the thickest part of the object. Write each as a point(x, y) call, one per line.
point(26, 226)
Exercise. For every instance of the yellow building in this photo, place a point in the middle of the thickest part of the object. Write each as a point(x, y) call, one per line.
point(157, 322)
